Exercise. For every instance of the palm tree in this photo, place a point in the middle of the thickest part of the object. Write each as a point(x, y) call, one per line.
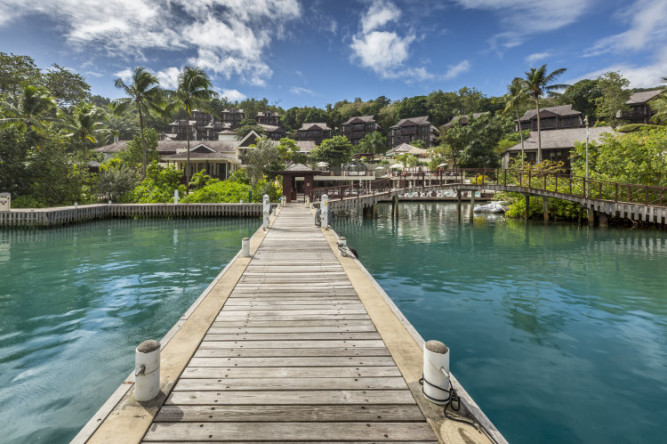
point(84, 126)
point(537, 82)
point(193, 92)
point(515, 98)
point(34, 107)
point(145, 95)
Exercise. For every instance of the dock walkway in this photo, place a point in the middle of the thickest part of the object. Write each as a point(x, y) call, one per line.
point(292, 356)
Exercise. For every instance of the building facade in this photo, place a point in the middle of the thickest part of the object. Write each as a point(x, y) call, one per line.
point(551, 118)
point(268, 118)
point(317, 132)
point(411, 129)
point(640, 109)
point(357, 127)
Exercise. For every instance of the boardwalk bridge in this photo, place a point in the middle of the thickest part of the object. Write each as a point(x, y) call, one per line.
point(600, 199)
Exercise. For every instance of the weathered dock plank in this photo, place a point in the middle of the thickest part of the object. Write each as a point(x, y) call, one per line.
point(282, 431)
point(293, 355)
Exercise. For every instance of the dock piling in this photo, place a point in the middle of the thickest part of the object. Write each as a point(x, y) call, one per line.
point(147, 370)
point(436, 372)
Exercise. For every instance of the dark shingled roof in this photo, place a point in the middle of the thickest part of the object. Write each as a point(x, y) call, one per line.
point(561, 138)
point(313, 125)
point(643, 96)
point(563, 110)
point(359, 119)
point(171, 146)
point(412, 121)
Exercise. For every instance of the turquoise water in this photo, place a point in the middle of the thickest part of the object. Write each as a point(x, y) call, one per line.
point(558, 332)
point(76, 301)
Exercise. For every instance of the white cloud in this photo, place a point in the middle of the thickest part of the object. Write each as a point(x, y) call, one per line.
point(520, 18)
point(536, 57)
point(125, 75)
point(382, 50)
point(647, 20)
point(379, 14)
point(297, 90)
point(646, 76)
point(168, 77)
point(385, 51)
point(456, 70)
point(229, 37)
point(233, 95)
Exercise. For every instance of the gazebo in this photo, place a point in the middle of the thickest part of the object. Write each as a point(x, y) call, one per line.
point(292, 187)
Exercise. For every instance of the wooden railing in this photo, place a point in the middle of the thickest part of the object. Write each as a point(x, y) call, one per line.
point(555, 182)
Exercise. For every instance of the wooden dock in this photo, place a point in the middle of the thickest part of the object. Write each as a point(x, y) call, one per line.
point(293, 355)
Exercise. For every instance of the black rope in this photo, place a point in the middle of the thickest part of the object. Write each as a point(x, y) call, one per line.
point(453, 401)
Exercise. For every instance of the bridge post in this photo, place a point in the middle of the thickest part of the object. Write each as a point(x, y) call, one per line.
point(545, 204)
point(527, 212)
point(394, 206)
point(472, 202)
point(579, 216)
point(591, 217)
point(458, 202)
point(603, 220)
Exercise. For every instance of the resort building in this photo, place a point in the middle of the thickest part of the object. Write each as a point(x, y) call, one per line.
point(273, 132)
point(356, 128)
point(640, 109)
point(268, 118)
point(316, 131)
point(414, 128)
point(202, 127)
point(463, 119)
point(231, 118)
point(557, 145)
point(551, 118)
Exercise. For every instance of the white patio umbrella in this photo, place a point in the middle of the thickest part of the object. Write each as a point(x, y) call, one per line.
point(322, 164)
point(397, 165)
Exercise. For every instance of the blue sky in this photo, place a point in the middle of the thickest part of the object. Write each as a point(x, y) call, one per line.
point(314, 52)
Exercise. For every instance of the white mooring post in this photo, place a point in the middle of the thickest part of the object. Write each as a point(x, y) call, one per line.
point(245, 247)
point(147, 370)
point(436, 372)
point(325, 211)
point(5, 201)
point(342, 246)
point(266, 209)
point(175, 197)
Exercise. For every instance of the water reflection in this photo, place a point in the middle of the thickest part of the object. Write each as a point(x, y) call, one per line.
point(76, 300)
point(552, 327)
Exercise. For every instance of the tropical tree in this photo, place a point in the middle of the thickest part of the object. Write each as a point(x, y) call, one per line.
point(145, 96)
point(373, 143)
point(335, 151)
point(614, 94)
point(515, 100)
point(262, 159)
point(193, 92)
point(33, 109)
point(84, 126)
point(538, 82)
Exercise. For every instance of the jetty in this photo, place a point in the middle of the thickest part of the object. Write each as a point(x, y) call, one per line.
point(293, 343)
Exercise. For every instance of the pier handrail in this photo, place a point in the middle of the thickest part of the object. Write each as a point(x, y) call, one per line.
point(524, 179)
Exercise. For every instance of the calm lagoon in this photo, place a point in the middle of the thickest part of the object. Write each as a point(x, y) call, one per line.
point(558, 332)
point(76, 301)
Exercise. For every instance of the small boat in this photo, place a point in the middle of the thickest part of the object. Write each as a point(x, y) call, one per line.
point(492, 207)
